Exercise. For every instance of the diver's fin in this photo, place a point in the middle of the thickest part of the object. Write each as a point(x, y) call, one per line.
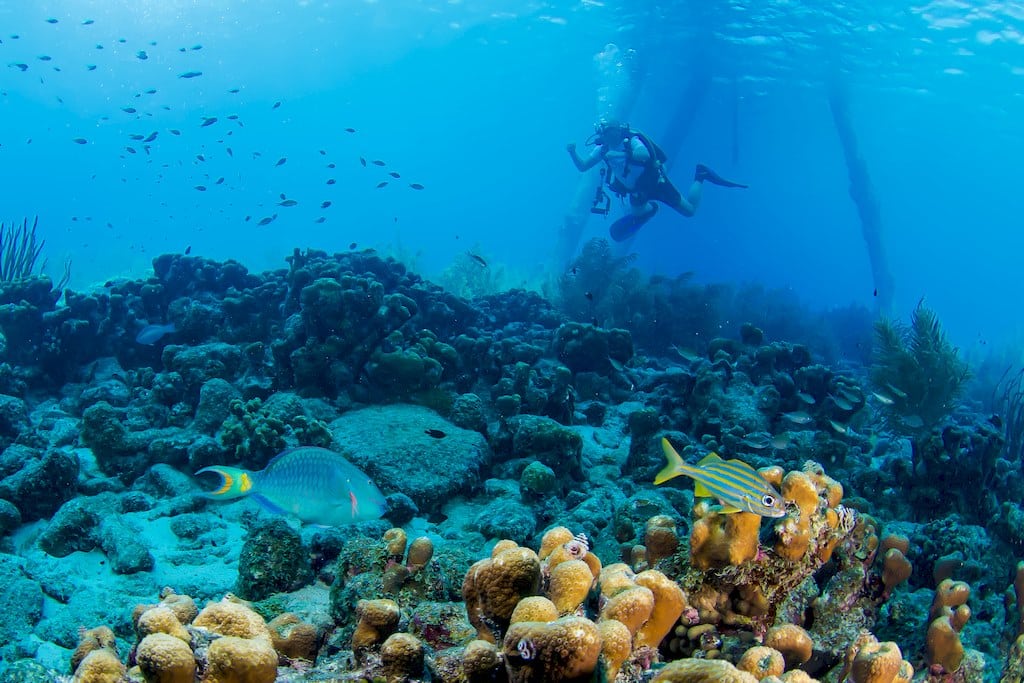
point(674, 464)
point(630, 224)
point(704, 173)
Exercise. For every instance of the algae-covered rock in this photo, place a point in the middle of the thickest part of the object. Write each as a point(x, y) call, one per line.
point(541, 438)
point(214, 405)
point(41, 485)
point(26, 671)
point(507, 518)
point(10, 518)
point(273, 560)
point(589, 348)
point(21, 602)
point(392, 445)
point(13, 417)
point(468, 413)
point(537, 479)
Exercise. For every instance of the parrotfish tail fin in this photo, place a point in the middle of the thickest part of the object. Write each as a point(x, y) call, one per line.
point(234, 482)
point(674, 465)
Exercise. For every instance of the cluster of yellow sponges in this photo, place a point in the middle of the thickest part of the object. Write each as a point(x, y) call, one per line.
point(227, 642)
point(534, 602)
point(786, 647)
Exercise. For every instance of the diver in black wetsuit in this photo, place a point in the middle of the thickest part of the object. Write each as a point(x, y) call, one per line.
point(635, 167)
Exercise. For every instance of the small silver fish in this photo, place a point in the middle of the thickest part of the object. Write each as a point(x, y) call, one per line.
point(896, 391)
point(686, 354)
point(842, 403)
point(806, 398)
point(838, 426)
point(882, 398)
point(314, 484)
point(151, 334)
point(799, 417)
point(758, 441)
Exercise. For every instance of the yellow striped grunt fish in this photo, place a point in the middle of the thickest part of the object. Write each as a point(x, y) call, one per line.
point(314, 484)
point(736, 485)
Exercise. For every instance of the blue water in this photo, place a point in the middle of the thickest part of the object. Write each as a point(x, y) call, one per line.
point(476, 101)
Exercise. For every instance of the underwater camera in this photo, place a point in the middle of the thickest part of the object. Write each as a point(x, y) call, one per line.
point(602, 203)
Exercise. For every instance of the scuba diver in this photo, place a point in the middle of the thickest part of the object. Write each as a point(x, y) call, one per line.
point(635, 166)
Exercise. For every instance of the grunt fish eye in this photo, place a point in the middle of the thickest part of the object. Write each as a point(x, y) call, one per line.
point(768, 500)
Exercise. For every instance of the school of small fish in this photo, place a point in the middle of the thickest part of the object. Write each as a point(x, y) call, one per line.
point(206, 152)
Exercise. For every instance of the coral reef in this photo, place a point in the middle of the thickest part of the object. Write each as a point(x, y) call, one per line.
point(918, 369)
point(496, 426)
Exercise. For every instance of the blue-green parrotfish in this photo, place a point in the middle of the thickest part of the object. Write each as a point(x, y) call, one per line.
point(314, 484)
point(736, 485)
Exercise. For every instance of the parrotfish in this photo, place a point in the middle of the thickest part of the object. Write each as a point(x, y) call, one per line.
point(151, 334)
point(736, 485)
point(314, 484)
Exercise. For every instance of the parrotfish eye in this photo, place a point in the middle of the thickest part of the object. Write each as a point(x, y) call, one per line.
point(768, 500)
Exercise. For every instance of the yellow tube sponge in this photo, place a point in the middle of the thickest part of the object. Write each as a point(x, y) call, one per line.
point(896, 568)
point(660, 538)
point(669, 601)
point(880, 663)
point(569, 584)
point(792, 641)
point(718, 540)
point(164, 658)
point(421, 551)
point(942, 645)
point(240, 660)
point(552, 652)
point(702, 671)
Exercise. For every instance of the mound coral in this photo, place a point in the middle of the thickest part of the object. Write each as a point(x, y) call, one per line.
point(240, 660)
point(164, 658)
point(566, 649)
